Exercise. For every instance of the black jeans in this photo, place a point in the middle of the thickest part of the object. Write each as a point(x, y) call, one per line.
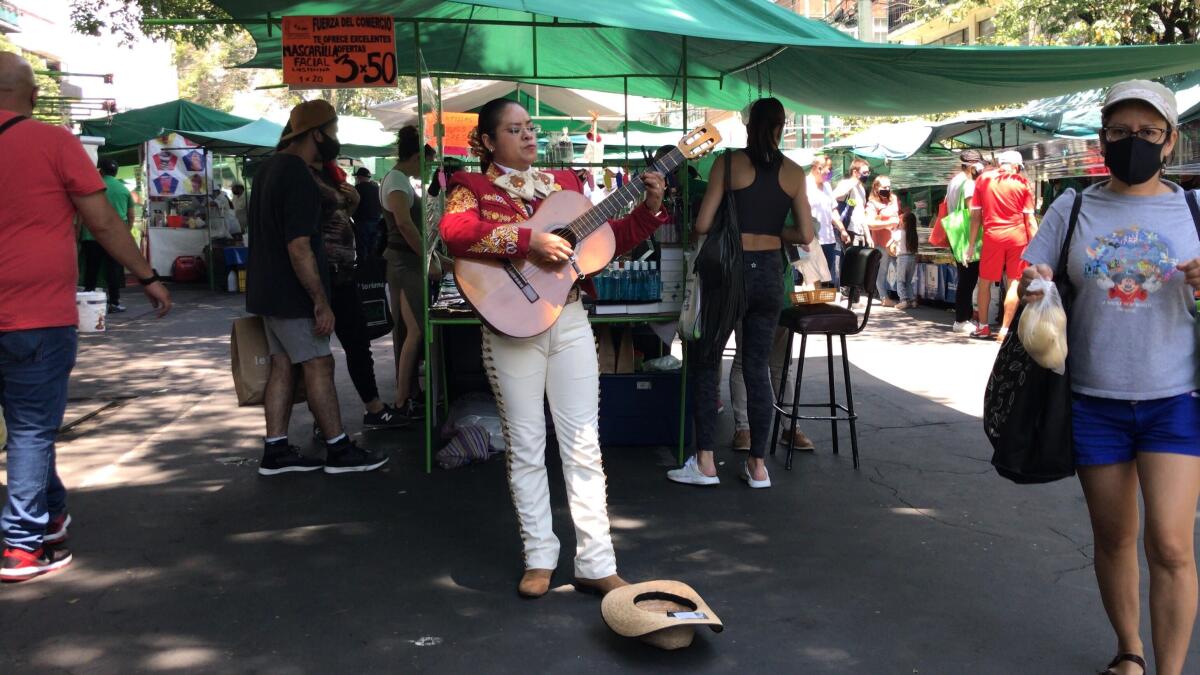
point(964, 292)
point(351, 331)
point(764, 298)
point(96, 258)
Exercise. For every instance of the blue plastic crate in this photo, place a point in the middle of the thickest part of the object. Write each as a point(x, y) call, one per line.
point(236, 256)
point(641, 409)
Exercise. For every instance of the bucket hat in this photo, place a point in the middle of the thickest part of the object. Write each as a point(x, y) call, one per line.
point(307, 116)
point(662, 613)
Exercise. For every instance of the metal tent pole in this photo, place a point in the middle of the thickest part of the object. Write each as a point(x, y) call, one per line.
point(683, 229)
point(427, 338)
point(625, 83)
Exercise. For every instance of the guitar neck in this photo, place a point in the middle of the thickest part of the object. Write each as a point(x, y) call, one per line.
point(616, 203)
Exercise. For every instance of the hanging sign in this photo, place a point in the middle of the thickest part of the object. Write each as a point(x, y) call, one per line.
point(176, 167)
point(457, 127)
point(323, 52)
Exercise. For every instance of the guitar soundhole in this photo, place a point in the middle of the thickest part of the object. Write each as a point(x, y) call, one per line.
point(566, 234)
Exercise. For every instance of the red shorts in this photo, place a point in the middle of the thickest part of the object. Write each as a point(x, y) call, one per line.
point(999, 259)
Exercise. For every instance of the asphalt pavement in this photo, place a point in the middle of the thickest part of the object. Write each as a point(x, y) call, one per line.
point(922, 561)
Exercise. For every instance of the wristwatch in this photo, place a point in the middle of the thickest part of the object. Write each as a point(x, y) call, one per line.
point(150, 279)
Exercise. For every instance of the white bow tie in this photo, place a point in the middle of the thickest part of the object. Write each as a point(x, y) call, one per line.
point(529, 184)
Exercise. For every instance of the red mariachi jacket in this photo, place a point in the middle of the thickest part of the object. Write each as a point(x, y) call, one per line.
point(484, 221)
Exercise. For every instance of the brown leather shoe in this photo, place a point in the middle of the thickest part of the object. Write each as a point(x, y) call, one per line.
point(741, 440)
point(802, 442)
point(600, 587)
point(534, 583)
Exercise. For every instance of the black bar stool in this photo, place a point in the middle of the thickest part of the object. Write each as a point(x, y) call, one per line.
point(860, 267)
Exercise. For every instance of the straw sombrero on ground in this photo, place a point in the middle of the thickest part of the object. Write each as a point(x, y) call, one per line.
point(662, 613)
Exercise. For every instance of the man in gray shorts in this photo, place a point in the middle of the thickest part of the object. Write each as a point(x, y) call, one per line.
point(287, 283)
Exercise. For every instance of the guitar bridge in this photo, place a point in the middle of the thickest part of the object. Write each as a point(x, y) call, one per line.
point(579, 275)
point(522, 283)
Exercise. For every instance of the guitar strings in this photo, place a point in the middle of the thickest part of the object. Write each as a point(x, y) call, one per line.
point(590, 221)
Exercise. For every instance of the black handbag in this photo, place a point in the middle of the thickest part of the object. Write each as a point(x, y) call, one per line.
point(722, 283)
point(371, 278)
point(1027, 408)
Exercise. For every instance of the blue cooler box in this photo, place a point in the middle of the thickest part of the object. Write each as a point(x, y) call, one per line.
point(641, 409)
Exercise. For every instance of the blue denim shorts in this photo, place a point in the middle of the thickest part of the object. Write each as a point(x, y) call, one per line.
point(1110, 431)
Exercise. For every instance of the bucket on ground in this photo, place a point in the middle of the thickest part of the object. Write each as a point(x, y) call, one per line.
point(93, 308)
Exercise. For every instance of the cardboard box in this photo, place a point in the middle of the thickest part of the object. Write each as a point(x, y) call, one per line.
point(671, 254)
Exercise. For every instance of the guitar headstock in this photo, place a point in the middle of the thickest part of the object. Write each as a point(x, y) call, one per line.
point(699, 141)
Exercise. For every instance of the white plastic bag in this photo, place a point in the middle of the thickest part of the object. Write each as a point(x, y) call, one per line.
point(476, 409)
point(1043, 328)
point(689, 315)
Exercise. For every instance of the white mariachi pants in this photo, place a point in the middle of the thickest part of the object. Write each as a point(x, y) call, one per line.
point(559, 365)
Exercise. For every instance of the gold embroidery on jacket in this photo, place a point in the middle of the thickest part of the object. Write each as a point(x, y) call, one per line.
point(498, 217)
point(461, 200)
point(500, 241)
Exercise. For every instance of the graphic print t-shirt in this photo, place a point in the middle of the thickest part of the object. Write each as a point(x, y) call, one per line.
point(1132, 328)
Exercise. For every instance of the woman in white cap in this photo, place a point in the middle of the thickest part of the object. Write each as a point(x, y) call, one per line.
point(1133, 265)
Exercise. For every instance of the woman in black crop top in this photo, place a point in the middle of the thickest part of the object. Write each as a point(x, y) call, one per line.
point(766, 186)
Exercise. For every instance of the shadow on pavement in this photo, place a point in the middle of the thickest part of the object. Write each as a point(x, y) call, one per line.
point(186, 560)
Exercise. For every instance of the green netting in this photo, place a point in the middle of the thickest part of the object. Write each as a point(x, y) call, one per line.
point(124, 132)
point(745, 49)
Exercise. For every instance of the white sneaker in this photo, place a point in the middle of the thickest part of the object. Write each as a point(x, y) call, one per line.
point(757, 484)
point(964, 327)
point(690, 474)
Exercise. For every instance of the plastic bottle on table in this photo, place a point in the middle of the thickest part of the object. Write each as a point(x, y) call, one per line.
point(622, 282)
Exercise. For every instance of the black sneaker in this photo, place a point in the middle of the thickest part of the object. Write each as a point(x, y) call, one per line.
point(116, 308)
point(388, 418)
point(286, 460)
point(347, 457)
point(21, 565)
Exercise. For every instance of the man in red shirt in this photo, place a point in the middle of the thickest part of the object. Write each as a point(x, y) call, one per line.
point(1003, 205)
point(50, 179)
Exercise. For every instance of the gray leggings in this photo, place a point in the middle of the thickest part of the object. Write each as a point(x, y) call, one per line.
point(764, 300)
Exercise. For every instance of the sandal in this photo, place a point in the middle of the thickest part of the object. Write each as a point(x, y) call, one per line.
point(1132, 658)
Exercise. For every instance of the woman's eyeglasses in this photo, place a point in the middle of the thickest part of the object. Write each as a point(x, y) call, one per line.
point(531, 129)
point(1153, 135)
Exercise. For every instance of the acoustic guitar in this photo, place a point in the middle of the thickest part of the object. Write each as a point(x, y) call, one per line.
point(518, 298)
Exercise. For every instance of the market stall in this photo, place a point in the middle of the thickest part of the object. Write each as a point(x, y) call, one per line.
point(178, 179)
point(712, 53)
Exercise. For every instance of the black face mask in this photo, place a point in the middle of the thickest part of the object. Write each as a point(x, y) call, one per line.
point(885, 194)
point(865, 178)
point(1133, 160)
point(328, 147)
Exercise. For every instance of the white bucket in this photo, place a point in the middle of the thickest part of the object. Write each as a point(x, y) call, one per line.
point(93, 307)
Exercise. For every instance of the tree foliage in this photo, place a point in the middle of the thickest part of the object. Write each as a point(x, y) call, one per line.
point(207, 76)
point(1077, 22)
point(126, 19)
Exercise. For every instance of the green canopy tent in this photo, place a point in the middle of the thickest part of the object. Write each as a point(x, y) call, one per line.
point(124, 133)
point(259, 138)
point(735, 52)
